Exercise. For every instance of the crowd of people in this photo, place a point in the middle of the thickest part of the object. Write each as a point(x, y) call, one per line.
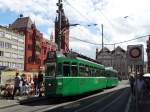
point(22, 86)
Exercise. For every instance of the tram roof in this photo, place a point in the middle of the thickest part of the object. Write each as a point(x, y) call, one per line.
point(79, 60)
point(110, 69)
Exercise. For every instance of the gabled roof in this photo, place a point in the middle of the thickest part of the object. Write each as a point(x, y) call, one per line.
point(118, 48)
point(105, 49)
point(22, 22)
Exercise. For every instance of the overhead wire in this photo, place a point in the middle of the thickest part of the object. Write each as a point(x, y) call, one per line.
point(132, 39)
point(109, 44)
point(87, 41)
point(108, 22)
point(77, 10)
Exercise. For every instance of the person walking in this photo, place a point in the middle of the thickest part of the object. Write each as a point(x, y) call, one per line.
point(140, 87)
point(35, 80)
point(132, 80)
point(17, 82)
point(40, 82)
point(24, 85)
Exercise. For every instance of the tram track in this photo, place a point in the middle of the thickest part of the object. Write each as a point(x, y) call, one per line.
point(85, 104)
point(103, 103)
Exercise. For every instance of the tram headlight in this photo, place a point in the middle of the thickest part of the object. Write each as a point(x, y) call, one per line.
point(49, 84)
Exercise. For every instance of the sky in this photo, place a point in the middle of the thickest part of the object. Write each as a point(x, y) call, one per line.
point(122, 19)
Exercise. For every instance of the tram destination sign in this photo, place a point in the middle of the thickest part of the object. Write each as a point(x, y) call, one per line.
point(51, 56)
point(135, 54)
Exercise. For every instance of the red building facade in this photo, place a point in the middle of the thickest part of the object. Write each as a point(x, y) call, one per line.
point(36, 47)
point(46, 46)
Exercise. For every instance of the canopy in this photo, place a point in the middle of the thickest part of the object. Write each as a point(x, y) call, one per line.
point(147, 75)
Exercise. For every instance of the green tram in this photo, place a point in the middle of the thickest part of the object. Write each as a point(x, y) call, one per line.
point(68, 74)
point(112, 77)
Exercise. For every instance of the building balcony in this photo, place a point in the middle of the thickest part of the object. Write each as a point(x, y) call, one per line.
point(38, 43)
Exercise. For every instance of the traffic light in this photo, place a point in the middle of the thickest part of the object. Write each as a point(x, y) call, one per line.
point(135, 54)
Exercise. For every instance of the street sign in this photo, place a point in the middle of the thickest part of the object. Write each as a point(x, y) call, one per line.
point(135, 54)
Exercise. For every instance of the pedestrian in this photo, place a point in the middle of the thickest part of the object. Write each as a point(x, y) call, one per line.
point(131, 80)
point(140, 86)
point(24, 85)
point(36, 85)
point(17, 82)
point(40, 82)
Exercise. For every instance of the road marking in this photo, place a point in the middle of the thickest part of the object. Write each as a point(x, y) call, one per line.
point(100, 100)
point(109, 105)
point(128, 104)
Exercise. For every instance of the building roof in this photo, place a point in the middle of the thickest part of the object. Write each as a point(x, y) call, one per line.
point(22, 22)
point(118, 48)
point(105, 49)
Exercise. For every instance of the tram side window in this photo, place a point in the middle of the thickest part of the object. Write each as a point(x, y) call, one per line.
point(66, 69)
point(97, 72)
point(87, 71)
point(101, 72)
point(108, 74)
point(83, 70)
point(90, 71)
point(59, 69)
point(93, 72)
point(74, 69)
point(51, 70)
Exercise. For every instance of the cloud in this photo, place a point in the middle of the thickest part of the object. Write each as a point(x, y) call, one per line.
point(110, 13)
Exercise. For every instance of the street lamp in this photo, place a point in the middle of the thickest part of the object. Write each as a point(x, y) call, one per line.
point(60, 34)
point(62, 31)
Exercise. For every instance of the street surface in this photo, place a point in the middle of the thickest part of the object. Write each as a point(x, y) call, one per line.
point(109, 100)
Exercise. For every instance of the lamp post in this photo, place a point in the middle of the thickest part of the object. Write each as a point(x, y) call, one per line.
point(64, 30)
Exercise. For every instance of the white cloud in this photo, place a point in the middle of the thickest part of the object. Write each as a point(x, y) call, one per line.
point(111, 13)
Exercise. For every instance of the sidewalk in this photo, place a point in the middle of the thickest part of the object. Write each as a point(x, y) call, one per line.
point(4, 103)
point(143, 105)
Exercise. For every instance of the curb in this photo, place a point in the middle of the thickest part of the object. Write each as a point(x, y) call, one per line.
point(31, 100)
point(24, 101)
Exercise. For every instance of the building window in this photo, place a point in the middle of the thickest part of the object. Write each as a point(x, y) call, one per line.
point(14, 47)
point(1, 53)
point(38, 48)
point(7, 45)
point(20, 48)
point(44, 51)
point(14, 38)
point(7, 54)
point(20, 56)
point(30, 47)
point(1, 44)
point(8, 36)
point(29, 59)
point(20, 39)
point(1, 63)
point(38, 61)
point(1, 34)
point(14, 55)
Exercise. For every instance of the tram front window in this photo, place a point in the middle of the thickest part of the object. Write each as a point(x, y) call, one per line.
point(51, 70)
